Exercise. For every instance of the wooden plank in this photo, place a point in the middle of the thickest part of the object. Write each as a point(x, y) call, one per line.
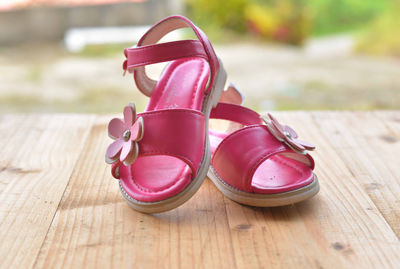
point(391, 120)
point(37, 160)
point(376, 231)
point(94, 227)
point(341, 227)
point(348, 224)
point(9, 126)
point(370, 151)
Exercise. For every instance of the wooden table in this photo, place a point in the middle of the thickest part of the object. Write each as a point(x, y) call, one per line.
point(60, 207)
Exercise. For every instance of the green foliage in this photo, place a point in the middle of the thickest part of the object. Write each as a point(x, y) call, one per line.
point(382, 36)
point(289, 21)
point(280, 20)
point(331, 16)
point(216, 13)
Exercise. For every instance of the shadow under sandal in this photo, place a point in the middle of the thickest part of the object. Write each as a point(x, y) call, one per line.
point(162, 156)
point(262, 163)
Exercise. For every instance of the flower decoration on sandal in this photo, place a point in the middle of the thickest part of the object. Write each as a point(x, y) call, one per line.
point(287, 135)
point(126, 133)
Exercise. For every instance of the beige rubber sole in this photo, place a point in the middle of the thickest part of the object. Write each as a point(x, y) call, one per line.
point(177, 200)
point(264, 200)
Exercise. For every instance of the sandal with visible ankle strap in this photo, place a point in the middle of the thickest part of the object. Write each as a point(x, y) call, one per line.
point(261, 163)
point(161, 156)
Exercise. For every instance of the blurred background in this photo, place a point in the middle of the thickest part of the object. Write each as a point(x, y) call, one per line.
point(66, 55)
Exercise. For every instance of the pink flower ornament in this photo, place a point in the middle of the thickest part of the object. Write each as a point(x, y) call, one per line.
point(126, 133)
point(287, 135)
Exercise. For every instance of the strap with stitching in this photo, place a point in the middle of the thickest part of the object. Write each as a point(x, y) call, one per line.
point(236, 113)
point(164, 52)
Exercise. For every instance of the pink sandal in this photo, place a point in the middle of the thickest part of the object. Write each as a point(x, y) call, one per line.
point(161, 156)
point(259, 164)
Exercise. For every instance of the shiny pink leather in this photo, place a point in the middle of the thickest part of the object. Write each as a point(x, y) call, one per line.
point(169, 156)
point(154, 34)
point(172, 146)
point(163, 52)
point(236, 113)
point(251, 159)
point(174, 132)
point(180, 85)
point(154, 178)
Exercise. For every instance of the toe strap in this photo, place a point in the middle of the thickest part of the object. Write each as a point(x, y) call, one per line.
point(174, 132)
point(238, 156)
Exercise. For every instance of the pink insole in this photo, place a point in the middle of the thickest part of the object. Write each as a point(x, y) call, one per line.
point(275, 175)
point(154, 178)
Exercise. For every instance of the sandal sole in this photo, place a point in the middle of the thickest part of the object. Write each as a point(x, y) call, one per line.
point(264, 200)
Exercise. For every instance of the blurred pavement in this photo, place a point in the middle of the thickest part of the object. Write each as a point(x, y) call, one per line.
point(47, 79)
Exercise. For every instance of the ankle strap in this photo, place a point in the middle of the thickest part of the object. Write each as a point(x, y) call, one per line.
point(147, 52)
point(229, 108)
point(163, 52)
point(235, 113)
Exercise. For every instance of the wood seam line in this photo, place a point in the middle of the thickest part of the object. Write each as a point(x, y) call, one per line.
point(384, 122)
point(86, 138)
point(388, 170)
point(348, 168)
point(345, 165)
point(9, 161)
point(230, 233)
point(376, 115)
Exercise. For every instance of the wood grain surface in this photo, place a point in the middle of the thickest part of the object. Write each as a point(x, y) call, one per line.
point(60, 207)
